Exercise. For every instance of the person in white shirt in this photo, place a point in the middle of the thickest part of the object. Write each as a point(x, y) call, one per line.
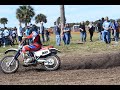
point(6, 37)
point(20, 33)
point(42, 31)
point(107, 30)
point(6, 32)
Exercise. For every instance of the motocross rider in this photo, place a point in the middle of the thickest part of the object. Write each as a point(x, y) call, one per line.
point(35, 45)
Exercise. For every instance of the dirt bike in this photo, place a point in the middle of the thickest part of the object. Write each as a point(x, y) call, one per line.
point(46, 57)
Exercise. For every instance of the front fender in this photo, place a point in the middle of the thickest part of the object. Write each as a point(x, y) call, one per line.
point(11, 50)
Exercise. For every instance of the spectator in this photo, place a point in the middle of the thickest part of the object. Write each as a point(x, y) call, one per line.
point(27, 33)
point(20, 33)
point(14, 35)
point(1, 37)
point(82, 32)
point(6, 38)
point(91, 30)
point(57, 32)
point(96, 28)
point(107, 27)
point(99, 29)
point(10, 36)
point(47, 34)
point(67, 36)
point(42, 31)
point(102, 29)
point(115, 31)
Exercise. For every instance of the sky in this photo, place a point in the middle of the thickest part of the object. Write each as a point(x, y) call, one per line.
point(73, 13)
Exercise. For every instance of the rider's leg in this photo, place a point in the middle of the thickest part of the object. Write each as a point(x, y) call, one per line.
point(30, 48)
point(24, 50)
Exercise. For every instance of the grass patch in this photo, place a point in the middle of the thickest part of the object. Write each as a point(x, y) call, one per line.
point(88, 47)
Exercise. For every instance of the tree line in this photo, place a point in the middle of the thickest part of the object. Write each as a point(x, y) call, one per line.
point(25, 14)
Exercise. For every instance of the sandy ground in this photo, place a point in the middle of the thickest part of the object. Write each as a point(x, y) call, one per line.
point(92, 69)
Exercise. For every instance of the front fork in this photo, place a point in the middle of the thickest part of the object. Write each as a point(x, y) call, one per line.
point(15, 58)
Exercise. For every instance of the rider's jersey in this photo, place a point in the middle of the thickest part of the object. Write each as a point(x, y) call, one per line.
point(35, 37)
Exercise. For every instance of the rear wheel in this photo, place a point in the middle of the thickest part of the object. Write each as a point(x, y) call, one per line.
point(6, 68)
point(52, 63)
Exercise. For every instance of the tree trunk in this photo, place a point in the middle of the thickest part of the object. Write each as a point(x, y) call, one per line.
point(62, 17)
point(4, 25)
point(20, 23)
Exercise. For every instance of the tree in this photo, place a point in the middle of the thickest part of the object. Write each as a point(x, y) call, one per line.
point(19, 16)
point(41, 18)
point(58, 21)
point(62, 16)
point(3, 21)
point(24, 14)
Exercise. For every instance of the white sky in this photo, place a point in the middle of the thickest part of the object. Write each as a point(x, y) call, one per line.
point(73, 13)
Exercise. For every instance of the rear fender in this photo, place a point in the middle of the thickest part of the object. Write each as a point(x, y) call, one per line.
point(54, 50)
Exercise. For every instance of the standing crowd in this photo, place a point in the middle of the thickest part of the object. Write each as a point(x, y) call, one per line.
point(12, 36)
point(107, 31)
point(8, 36)
point(66, 34)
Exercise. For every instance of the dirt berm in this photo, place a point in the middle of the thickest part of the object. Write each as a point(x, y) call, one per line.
point(90, 61)
point(76, 69)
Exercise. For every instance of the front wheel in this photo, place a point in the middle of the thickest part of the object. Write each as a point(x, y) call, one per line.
point(8, 68)
point(52, 63)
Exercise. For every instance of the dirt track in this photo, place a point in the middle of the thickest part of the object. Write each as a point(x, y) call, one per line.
point(92, 69)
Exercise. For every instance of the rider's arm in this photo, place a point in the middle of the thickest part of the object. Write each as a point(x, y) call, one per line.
point(30, 36)
point(23, 40)
point(27, 37)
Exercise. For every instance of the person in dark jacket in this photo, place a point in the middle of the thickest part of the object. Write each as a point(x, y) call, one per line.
point(91, 30)
point(115, 29)
point(42, 30)
point(83, 34)
point(99, 29)
point(47, 34)
point(102, 29)
point(67, 34)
